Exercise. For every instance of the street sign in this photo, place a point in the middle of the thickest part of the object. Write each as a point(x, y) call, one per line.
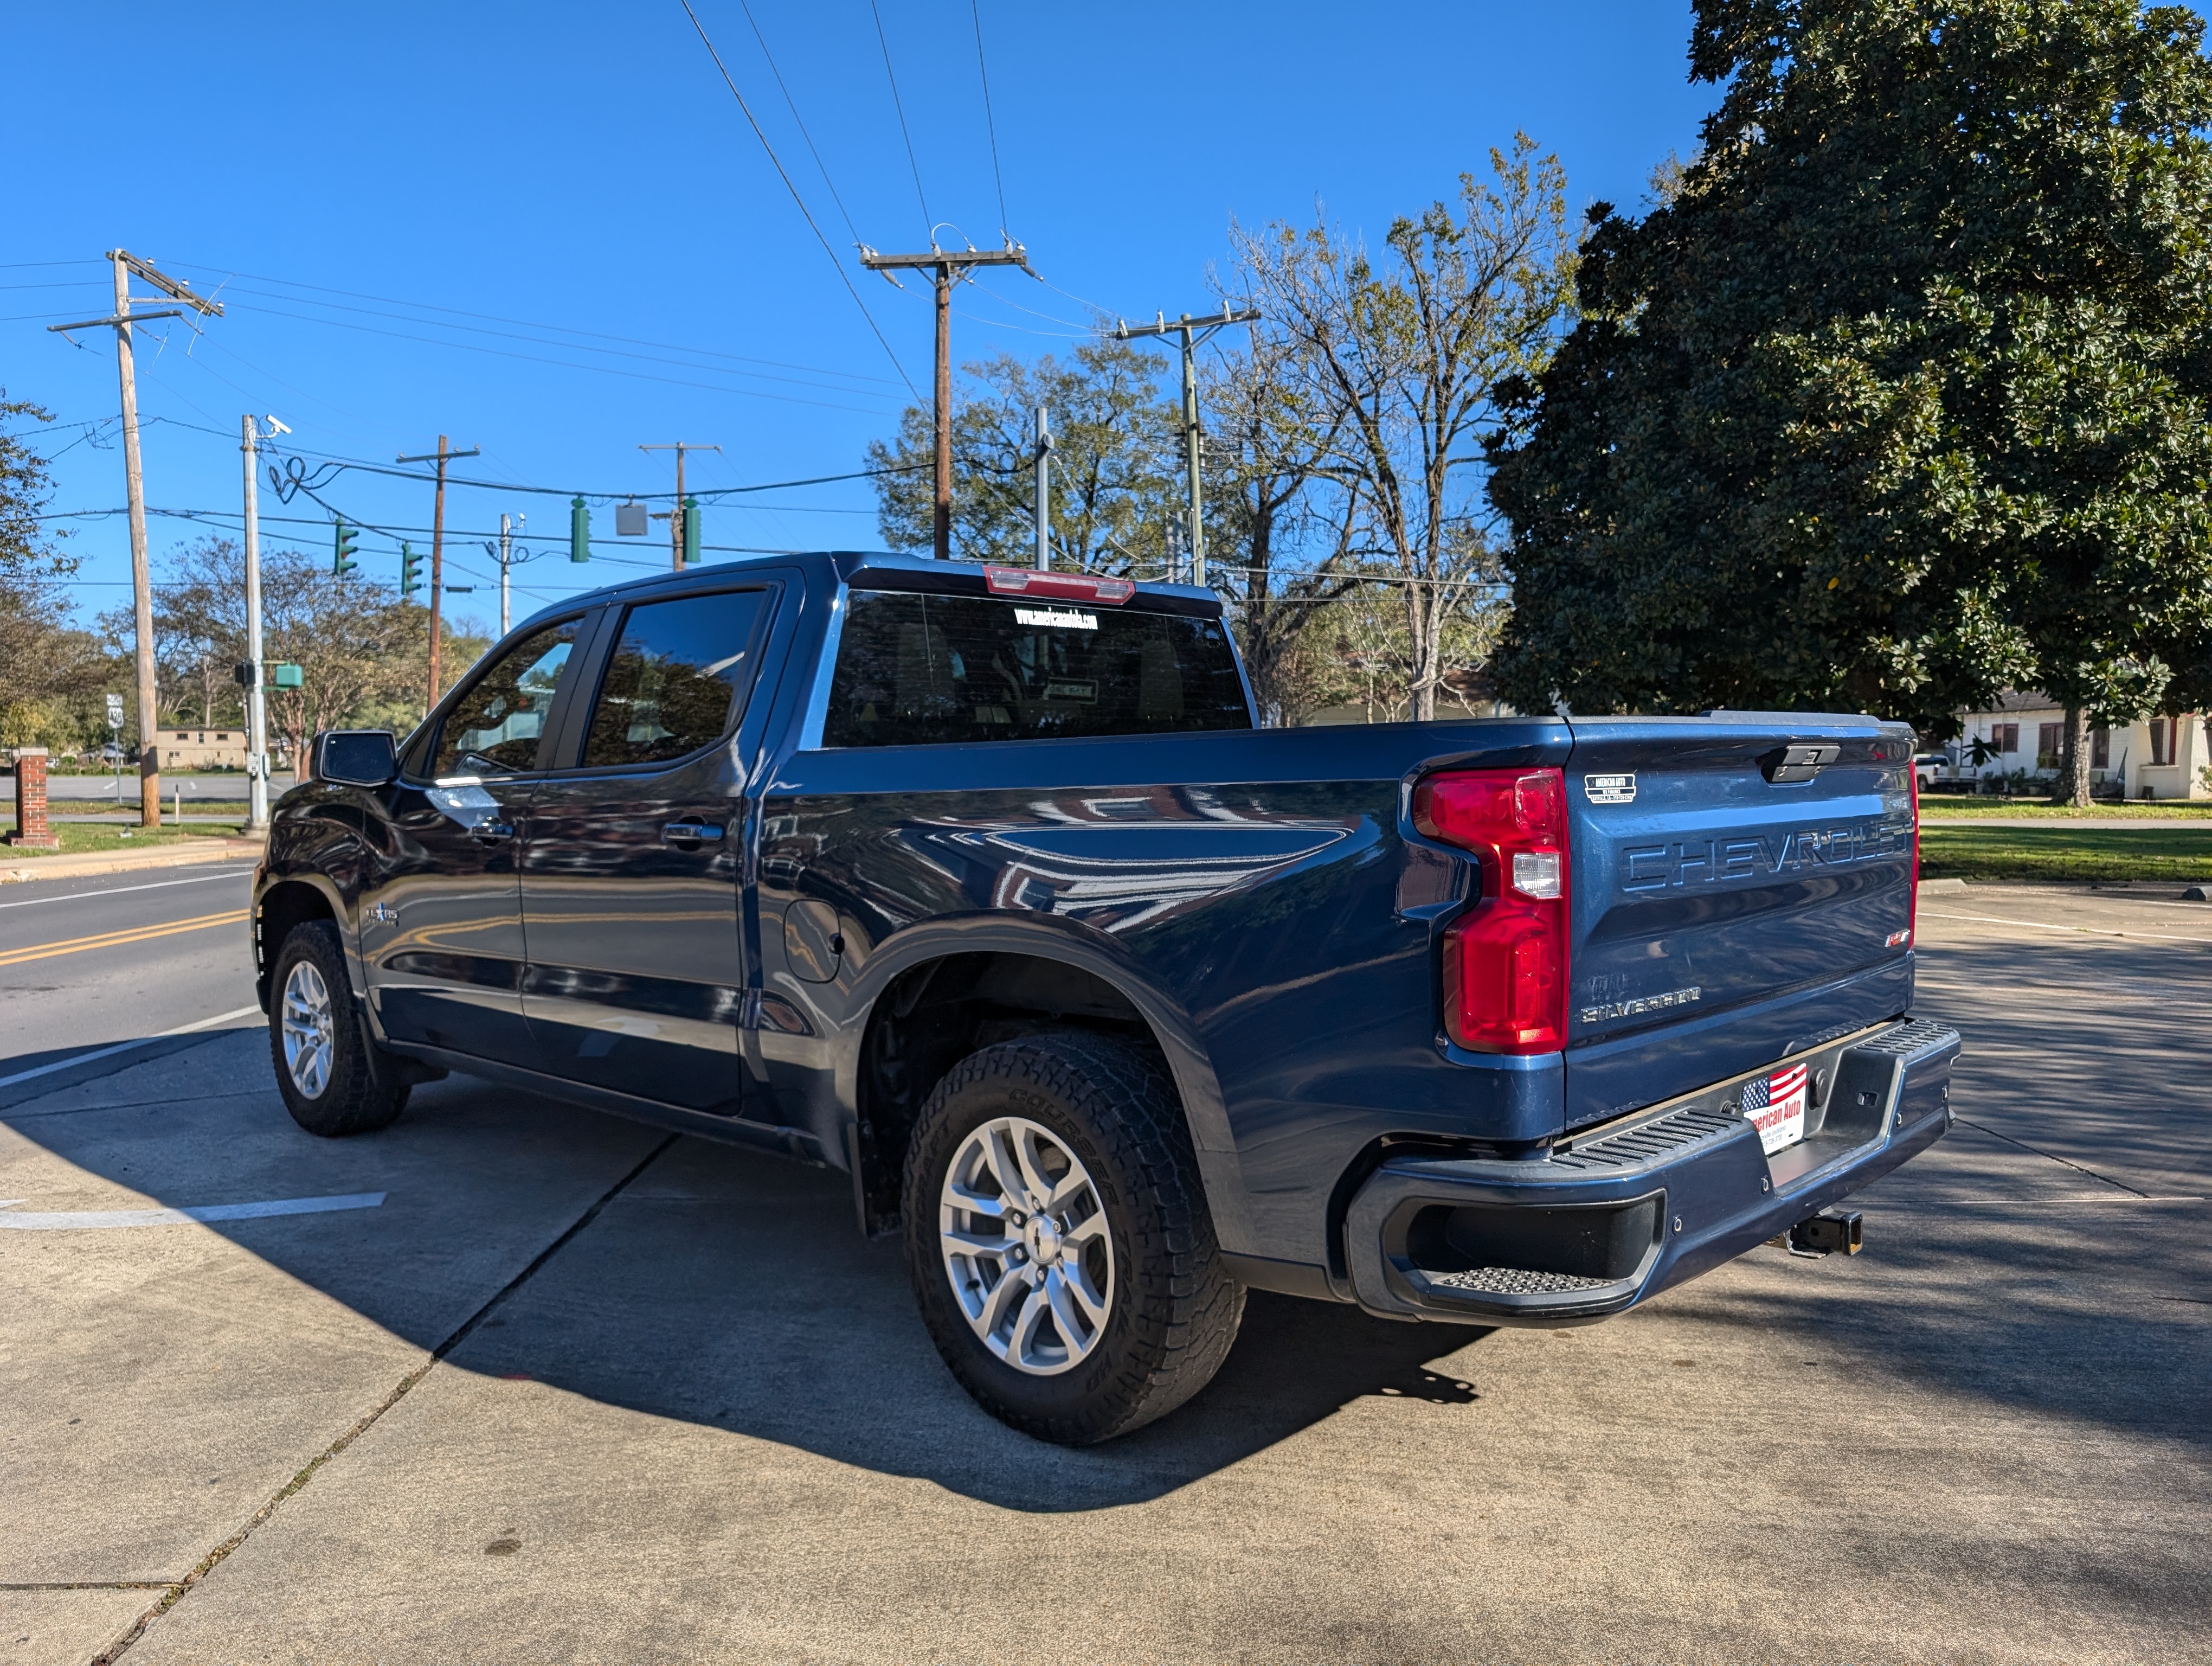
point(287, 676)
point(114, 711)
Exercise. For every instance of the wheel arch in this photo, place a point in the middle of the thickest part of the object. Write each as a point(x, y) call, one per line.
point(291, 900)
point(1001, 979)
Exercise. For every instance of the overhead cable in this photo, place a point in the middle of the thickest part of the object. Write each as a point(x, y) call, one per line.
point(791, 105)
point(782, 173)
point(990, 122)
point(892, 76)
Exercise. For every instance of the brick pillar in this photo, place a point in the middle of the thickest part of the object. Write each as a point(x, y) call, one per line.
point(31, 828)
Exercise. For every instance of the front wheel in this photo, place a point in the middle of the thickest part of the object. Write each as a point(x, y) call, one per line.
point(1057, 1230)
point(334, 1080)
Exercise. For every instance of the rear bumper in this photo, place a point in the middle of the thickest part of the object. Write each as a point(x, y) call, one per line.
point(1600, 1224)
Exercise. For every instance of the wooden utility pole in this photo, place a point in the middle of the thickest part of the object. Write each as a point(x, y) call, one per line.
point(142, 582)
point(948, 267)
point(675, 516)
point(1194, 332)
point(440, 457)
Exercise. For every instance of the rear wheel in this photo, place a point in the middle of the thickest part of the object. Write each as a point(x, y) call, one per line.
point(334, 1079)
point(1058, 1235)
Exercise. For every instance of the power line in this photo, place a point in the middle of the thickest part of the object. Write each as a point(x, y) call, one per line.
point(884, 41)
point(523, 324)
point(791, 104)
point(786, 177)
point(990, 122)
point(510, 335)
point(567, 364)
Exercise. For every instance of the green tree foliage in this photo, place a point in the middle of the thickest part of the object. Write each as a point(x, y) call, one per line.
point(43, 660)
point(1114, 468)
point(1898, 395)
point(363, 652)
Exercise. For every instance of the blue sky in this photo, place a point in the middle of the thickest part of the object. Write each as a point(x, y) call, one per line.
point(339, 175)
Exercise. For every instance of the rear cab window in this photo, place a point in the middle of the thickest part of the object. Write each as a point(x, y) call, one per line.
point(917, 667)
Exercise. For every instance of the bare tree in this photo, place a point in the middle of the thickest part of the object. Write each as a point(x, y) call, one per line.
point(1404, 358)
point(362, 651)
point(1276, 545)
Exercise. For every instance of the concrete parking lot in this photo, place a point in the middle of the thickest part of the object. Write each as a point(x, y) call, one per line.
point(569, 1389)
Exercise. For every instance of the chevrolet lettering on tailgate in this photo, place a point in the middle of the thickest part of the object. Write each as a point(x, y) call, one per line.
point(1716, 861)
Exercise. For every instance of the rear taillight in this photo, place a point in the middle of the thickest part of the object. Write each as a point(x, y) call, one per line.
point(1506, 959)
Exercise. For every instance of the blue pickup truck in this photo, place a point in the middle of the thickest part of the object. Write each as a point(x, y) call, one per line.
point(980, 885)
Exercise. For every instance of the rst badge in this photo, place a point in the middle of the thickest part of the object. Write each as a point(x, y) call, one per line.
point(1609, 789)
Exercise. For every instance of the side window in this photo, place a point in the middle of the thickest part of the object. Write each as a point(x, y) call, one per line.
point(678, 675)
point(496, 727)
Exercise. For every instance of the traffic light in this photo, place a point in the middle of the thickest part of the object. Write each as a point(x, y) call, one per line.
point(691, 531)
point(580, 531)
point(410, 570)
point(342, 542)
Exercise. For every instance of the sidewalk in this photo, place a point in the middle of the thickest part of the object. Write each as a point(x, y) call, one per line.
point(15, 867)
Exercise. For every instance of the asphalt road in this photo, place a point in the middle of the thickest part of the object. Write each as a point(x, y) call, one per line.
point(566, 1389)
point(87, 962)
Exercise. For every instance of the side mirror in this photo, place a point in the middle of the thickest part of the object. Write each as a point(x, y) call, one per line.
point(354, 758)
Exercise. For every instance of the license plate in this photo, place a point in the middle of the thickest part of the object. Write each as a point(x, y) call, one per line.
point(1775, 1105)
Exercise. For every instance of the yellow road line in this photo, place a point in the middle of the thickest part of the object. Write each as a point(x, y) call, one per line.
point(116, 939)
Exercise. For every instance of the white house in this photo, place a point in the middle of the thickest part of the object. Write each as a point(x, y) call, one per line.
point(2160, 758)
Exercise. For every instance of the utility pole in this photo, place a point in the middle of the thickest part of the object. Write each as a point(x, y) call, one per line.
point(949, 267)
point(1043, 489)
point(1195, 331)
point(675, 516)
point(505, 558)
point(126, 266)
point(256, 709)
point(440, 457)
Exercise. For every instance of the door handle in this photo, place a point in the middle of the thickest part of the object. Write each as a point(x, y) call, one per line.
point(691, 833)
point(487, 831)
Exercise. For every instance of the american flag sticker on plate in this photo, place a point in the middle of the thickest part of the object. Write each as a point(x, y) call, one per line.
point(1775, 1105)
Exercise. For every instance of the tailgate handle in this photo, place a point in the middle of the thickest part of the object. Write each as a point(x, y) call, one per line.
point(1798, 761)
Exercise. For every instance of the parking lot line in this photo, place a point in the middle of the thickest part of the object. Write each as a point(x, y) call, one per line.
point(75, 1060)
point(116, 940)
point(107, 1220)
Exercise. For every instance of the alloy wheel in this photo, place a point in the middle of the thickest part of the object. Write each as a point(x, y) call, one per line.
point(1025, 1244)
point(310, 1030)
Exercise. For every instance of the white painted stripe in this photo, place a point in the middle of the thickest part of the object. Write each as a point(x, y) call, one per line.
point(94, 1219)
point(125, 1046)
point(118, 891)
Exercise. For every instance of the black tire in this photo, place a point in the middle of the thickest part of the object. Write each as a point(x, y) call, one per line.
point(1172, 1311)
point(360, 1086)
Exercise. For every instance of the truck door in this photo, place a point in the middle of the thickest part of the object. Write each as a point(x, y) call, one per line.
point(440, 913)
point(632, 874)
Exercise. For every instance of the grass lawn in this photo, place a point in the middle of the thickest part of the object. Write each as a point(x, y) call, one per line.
point(77, 837)
point(1934, 807)
point(2182, 853)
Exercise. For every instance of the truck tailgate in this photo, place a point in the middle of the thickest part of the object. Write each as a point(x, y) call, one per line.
point(1742, 890)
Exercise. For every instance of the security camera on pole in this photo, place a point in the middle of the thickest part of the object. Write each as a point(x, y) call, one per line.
point(250, 674)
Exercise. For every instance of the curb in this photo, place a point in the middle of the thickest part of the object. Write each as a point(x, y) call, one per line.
point(1941, 886)
point(123, 861)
